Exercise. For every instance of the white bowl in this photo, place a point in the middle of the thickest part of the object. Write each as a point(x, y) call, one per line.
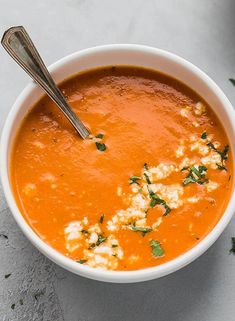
point(119, 55)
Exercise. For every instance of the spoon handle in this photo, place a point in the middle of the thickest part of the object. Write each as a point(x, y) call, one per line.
point(20, 47)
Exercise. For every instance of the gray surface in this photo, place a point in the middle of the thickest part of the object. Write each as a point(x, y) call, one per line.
point(201, 31)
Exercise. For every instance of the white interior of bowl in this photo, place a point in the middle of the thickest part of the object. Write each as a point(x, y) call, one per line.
point(119, 55)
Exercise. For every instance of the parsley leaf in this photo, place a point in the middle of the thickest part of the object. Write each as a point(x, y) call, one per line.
point(204, 135)
point(7, 275)
point(221, 167)
point(101, 218)
point(82, 261)
point(134, 179)
point(101, 239)
point(195, 175)
point(232, 250)
point(147, 178)
point(146, 166)
point(114, 245)
point(232, 81)
point(100, 136)
point(143, 230)
point(156, 200)
point(223, 154)
point(101, 146)
point(157, 250)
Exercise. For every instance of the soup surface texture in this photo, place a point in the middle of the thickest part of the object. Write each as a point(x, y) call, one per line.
point(150, 182)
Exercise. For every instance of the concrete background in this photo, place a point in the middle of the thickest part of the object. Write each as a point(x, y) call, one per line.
point(201, 31)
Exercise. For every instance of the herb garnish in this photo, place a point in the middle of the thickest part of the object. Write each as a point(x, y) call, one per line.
point(223, 154)
point(146, 166)
point(204, 135)
point(82, 261)
point(232, 81)
point(100, 146)
point(13, 306)
point(114, 245)
point(7, 276)
point(157, 250)
point(232, 250)
point(101, 239)
point(100, 136)
point(143, 230)
point(3, 235)
point(156, 200)
point(195, 175)
point(134, 179)
point(147, 178)
point(221, 167)
point(85, 232)
point(101, 218)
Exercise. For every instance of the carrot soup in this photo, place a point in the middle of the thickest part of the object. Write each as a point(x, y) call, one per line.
point(150, 182)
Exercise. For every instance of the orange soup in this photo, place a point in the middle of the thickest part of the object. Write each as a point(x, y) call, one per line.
point(151, 181)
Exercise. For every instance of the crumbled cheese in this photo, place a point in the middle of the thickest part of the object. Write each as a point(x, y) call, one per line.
point(159, 172)
point(211, 186)
point(170, 193)
point(201, 147)
point(185, 111)
point(211, 160)
point(180, 151)
point(199, 109)
point(156, 224)
point(73, 230)
point(193, 199)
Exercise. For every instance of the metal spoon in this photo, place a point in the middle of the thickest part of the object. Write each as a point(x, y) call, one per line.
point(20, 47)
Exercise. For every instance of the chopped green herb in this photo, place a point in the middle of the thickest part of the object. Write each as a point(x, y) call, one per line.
point(223, 154)
point(157, 250)
point(221, 167)
point(146, 166)
point(143, 230)
point(101, 239)
point(82, 261)
point(100, 146)
point(85, 232)
point(147, 178)
point(204, 135)
point(185, 168)
point(13, 306)
point(101, 218)
point(114, 254)
point(100, 136)
point(232, 81)
point(156, 200)
point(134, 179)
point(114, 245)
point(195, 175)
point(232, 250)
point(4, 236)
point(21, 302)
point(7, 276)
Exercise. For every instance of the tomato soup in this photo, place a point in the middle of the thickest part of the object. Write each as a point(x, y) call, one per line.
point(151, 181)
